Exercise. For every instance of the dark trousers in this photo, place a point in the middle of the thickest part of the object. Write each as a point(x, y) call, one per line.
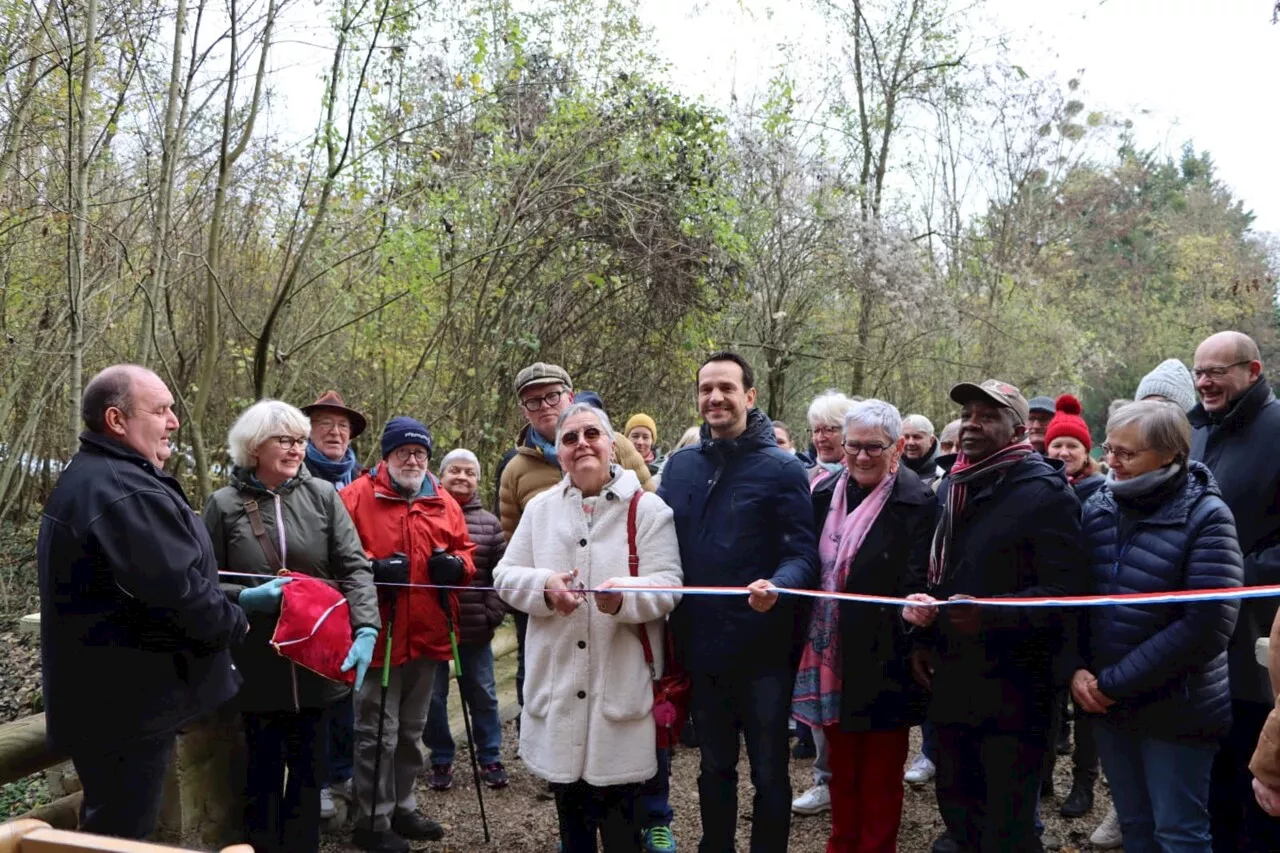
point(1084, 758)
point(753, 705)
point(341, 734)
point(280, 817)
point(522, 626)
point(586, 812)
point(988, 785)
point(653, 807)
point(123, 787)
point(1057, 723)
point(1239, 825)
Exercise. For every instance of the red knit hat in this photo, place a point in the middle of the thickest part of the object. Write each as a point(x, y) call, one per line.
point(1067, 423)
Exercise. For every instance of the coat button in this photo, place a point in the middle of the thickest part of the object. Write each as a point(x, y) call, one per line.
point(582, 543)
point(582, 644)
point(609, 496)
point(582, 694)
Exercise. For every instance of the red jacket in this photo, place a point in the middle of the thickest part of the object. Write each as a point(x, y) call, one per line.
point(388, 523)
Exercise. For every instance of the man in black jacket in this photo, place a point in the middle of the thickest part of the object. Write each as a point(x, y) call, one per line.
point(1234, 433)
point(744, 519)
point(1010, 527)
point(134, 630)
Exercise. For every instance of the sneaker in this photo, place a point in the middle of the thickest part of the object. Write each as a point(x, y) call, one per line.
point(816, 800)
point(441, 778)
point(494, 775)
point(1107, 835)
point(920, 771)
point(378, 841)
point(327, 808)
point(1080, 801)
point(658, 839)
point(415, 826)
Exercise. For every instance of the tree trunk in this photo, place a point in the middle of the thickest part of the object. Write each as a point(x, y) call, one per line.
point(78, 160)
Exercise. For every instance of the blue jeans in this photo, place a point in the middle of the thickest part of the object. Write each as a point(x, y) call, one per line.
point(340, 736)
point(653, 805)
point(1160, 789)
point(482, 701)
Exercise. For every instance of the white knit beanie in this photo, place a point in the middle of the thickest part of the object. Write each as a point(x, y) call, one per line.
point(460, 455)
point(1172, 380)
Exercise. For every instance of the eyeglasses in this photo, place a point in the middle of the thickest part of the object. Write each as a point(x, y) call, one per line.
point(404, 454)
point(1122, 454)
point(824, 430)
point(327, 424)
point(591, 434)
point(532, 404)
point(873, 450)
point(1215, 372)
point(288, 442)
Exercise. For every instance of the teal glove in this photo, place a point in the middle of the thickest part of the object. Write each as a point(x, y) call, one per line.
point(361, 654)
point(265, 598)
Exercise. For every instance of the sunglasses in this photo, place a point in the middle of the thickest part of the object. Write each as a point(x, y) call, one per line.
point(591, 434)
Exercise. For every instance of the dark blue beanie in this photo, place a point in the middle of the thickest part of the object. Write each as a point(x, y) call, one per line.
point(400, 431)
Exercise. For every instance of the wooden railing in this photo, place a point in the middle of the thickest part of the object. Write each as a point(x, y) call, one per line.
point(34, 836)
point(23, 751)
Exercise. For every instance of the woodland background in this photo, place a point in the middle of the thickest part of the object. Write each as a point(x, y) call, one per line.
point(490, 183)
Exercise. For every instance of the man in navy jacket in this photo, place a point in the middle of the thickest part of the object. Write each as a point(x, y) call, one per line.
point(134, 629)
point(744, 519)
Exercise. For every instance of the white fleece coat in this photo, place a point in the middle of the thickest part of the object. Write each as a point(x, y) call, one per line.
point(588, 695)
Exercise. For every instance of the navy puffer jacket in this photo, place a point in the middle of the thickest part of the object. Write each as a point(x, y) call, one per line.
point(1165, 665)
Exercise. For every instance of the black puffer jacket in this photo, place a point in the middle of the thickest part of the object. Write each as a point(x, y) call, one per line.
point(878, 690)
point(482, 611)
point(1165, 665)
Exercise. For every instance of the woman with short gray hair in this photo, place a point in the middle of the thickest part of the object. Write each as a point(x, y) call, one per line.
point(1155, 677)
point(826, 421)
point(876, 519)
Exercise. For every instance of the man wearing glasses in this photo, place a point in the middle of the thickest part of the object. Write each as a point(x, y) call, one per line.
point(414, 532)
point(1234, 433)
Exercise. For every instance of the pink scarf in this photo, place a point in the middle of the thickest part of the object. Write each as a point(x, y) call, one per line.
point(816, 700)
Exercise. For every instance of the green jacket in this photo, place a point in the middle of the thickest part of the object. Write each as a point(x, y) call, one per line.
point(319, 540)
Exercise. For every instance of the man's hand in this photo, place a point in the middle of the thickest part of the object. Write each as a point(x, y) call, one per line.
point(608, 603)
point(922, 667)
point(921, 615)
point(965, 618)
point(1083, 685)
point(562, 594)
point(762, 595)
point(1268, 798)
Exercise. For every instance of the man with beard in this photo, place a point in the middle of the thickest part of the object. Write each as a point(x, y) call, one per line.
point(744, 519)
point(920, 448)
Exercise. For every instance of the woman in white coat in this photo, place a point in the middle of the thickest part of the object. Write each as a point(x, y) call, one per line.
point(587, 725)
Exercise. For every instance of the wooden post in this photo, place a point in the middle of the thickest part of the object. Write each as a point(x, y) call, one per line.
point(23, 750)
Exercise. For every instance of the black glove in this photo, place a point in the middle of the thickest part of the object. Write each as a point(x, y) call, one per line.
point(445, 569)
point(393, 569)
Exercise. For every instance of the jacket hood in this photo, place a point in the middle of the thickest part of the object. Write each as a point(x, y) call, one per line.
point(1199, 483)
point(623, 484)
point(759, 433)
point(1242, 411)
point(244, 480)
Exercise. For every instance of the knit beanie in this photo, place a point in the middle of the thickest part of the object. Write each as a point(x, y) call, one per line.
point(641, 420)
point(1067, 423)
point(402, 430)
point(1170, 380)
point(591, 398)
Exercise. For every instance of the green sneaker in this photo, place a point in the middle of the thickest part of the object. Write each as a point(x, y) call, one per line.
point(658, 839)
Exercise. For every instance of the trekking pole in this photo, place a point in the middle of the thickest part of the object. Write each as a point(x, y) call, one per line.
point(382, 707)
point(466, 712)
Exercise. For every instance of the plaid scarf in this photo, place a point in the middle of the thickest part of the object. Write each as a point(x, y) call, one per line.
point(963, 474)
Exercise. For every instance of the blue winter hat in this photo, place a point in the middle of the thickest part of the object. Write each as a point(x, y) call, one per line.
point(402, 430)
point(591, 398)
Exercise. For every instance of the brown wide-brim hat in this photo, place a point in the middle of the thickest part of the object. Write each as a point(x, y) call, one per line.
point(333, 400)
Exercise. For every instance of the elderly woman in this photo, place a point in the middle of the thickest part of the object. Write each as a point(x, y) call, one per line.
point(854, 682)
point(304, 528)
point(826, 419)
point(587, 725)
point(1155, 676)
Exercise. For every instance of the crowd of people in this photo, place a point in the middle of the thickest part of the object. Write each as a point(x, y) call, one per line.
point(152, 615)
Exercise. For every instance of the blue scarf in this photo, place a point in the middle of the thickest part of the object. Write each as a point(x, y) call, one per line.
point(548, 448)
point(340, 473)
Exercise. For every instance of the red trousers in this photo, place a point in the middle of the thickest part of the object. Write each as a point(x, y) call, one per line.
point(866, 789)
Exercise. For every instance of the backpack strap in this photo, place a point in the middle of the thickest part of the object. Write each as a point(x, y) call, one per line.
point(633, 561)
point(260, 532)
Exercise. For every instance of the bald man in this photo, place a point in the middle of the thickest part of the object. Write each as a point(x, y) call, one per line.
point(134, 630)
point(1235, 428)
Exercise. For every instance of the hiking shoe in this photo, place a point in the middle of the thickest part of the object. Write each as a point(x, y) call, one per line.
point(816, 800)
point(378, 841)
point(441, 778)
point(920, 771)
point(494, 775)
point(415, 826)
point(1107, 835)
point(1080, 801)
point(327, 808)
point(658, 839)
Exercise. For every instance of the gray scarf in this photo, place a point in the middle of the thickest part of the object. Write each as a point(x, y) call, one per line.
point(1144, 484)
